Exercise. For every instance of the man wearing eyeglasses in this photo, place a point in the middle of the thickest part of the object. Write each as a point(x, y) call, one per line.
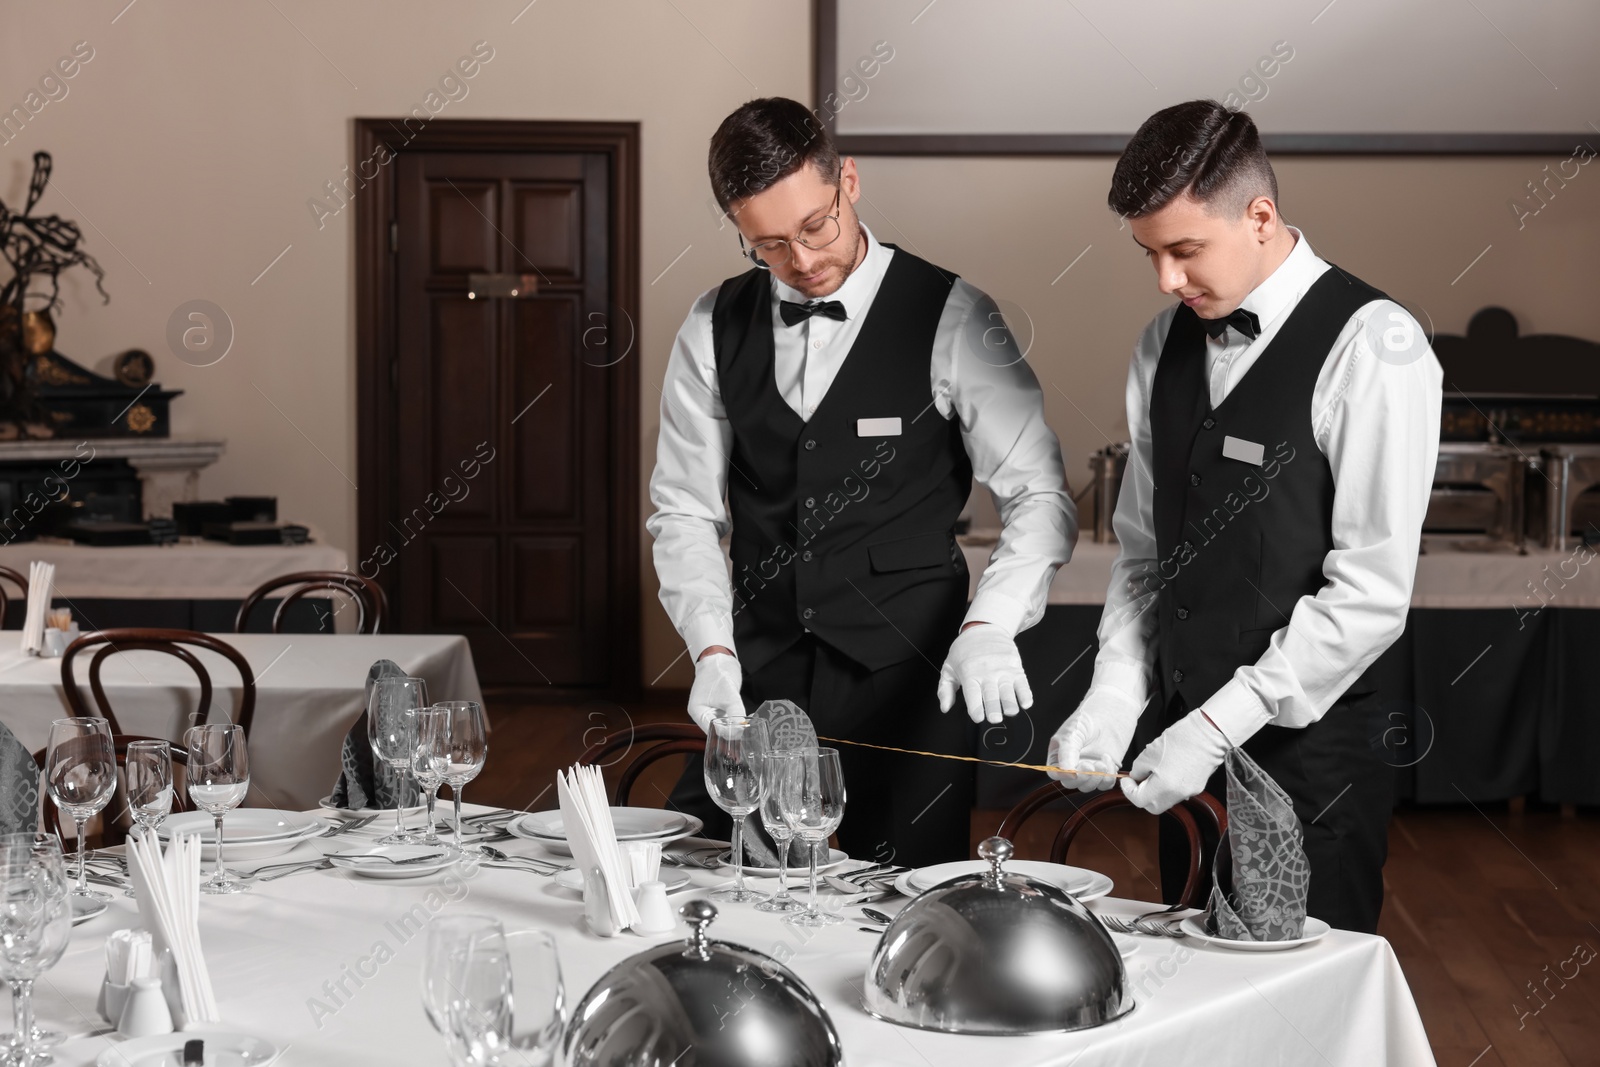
point(829, 408)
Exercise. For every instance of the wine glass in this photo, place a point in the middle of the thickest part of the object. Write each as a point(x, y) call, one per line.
point(81, 769)
point(810, 785)
point(497, 997)
point(219, 778)
point(35, 926)
point(391, 727)
point(429, 758)
point(148, 779)
point(469, 750)
point(778, 830)
point(736, 749)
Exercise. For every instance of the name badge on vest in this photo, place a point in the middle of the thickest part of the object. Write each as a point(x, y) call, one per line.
point(878, 427)
point(1238, 448)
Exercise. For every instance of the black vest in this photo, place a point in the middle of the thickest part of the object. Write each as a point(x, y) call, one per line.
point(850, 537)
point(1239, 543)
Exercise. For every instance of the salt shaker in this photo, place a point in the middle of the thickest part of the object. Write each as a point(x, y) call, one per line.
point(145, 1014)
point(655, 914)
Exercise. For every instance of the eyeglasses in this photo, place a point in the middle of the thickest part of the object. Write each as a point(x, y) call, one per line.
point(819, 233)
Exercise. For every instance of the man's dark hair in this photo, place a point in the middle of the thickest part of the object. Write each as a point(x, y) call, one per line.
point(1200, 148)
point(763, 143)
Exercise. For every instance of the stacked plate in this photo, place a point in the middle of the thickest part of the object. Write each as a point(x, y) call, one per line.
point(632, 824)
point(1084, 884)
point(247, 833)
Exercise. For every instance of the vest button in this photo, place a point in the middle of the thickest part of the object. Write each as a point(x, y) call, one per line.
point(811, 501)
point(806, 555)
point(810, 445)
point(1194, 479)
point(1177, 675)
point(1210, 422)
point(808, 613)
point(1183, 613)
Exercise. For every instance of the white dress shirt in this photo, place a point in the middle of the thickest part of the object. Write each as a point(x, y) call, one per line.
point(975, 375)
point(1375, 416)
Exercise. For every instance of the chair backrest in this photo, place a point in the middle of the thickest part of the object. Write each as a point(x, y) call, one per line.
point(1204, 820)
point(665, 739)
point(172, 643)
point(371, 603)
point(112, 830)
point(21, 582)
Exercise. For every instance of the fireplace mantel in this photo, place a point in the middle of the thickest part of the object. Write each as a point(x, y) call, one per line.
point(169, 468)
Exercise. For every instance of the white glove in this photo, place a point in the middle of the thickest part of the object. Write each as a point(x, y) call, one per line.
point(715, 692)
point(1177, 765)
point(1094, 738)
point(985, 664)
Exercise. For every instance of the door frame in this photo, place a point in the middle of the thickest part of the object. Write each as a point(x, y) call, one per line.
point(376, 141)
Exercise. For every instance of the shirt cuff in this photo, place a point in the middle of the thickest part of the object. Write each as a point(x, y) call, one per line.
point(1131, 680)
point(997, 609)
point(1237, 711)
point(703, 631)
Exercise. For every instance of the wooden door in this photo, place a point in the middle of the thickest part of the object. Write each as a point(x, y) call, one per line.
point(511, 511)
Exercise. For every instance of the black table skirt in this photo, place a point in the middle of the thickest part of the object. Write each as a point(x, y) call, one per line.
point(1478, 705)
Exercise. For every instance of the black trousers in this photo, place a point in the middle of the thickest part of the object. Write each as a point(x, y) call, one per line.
point(1343, 792)
point(899, 809)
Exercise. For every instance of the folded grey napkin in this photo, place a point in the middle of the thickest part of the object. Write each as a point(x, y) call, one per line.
point(364, 781)
point(1264, 853)
point(19, 786)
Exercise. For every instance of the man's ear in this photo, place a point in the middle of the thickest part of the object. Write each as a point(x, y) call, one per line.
point(1262, 215)
point(850, 179)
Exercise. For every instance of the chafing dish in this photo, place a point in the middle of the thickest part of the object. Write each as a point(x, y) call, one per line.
point(731, 1005)
point(996, 953)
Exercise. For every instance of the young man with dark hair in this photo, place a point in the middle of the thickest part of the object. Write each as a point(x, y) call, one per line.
point(840, 396)
point(1284, 419)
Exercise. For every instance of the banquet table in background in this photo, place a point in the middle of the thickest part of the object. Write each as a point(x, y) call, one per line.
point(1489, 694)
point(193, 585)
point(328, 965)
point(309, 690)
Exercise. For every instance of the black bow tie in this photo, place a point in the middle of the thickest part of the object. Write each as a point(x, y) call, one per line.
point(1240, 319)
point(793, 312)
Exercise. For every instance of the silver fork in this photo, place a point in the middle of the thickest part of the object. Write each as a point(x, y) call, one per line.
point(1140, 926)
point(346, 827)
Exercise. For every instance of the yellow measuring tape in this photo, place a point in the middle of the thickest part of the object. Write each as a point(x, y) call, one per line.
point(974, 759)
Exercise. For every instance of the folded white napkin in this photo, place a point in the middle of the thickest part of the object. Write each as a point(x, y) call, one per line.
point(167, 889)
point(41, 582)
point(586, 815)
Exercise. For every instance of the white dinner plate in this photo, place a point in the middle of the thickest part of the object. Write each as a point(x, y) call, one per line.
point(835, 857)
point(1194, 926)
point(631, 824)
point(573, 880)
point(373, 861)
point(222, 1047)
point(242, 826)
point(1082, 883)
point(528, 829)
point(86, 908)
point(327, 805)
point(246, 851)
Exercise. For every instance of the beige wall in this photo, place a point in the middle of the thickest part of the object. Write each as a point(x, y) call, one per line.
point(189, 146)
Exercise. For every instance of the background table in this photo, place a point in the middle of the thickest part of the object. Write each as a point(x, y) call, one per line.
point(279, 953)
point(189, 586)
point(309, 691)
point(1489, 693)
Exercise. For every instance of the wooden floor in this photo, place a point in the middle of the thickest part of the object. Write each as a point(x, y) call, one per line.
point(1493, 915)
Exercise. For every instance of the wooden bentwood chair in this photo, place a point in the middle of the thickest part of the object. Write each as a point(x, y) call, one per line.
point(665, 739)
point(21, 582)
point(171, 642)
point(1203, 818)
point(371, 603)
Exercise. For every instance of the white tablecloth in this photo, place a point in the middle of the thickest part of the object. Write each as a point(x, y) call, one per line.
point(1446, 577)
point(279, 953)
point(309, 690)
point(208, 570)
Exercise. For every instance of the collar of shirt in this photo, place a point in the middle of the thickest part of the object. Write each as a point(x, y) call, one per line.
point(1282, 290)
point(857, 291)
